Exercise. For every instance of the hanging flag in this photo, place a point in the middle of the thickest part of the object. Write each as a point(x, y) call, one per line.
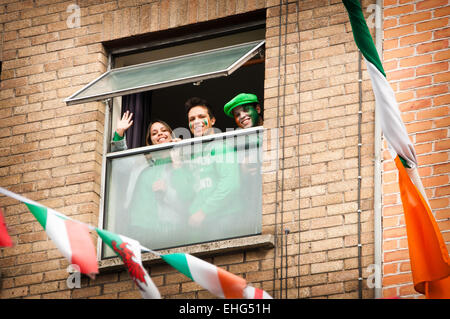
point(5, 240)
point(430, 264)
point(130, 252)
point(70, 237)
point(217, 281)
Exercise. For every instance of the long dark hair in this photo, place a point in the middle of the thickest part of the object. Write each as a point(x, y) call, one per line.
point(148, 140)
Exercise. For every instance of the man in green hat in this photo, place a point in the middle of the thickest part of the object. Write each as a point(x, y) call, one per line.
point(245, 109)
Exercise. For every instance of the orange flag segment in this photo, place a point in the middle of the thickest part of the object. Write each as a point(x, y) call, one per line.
point(430, 262)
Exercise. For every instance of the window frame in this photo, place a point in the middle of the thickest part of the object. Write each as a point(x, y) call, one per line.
point(256, 241)
point(151, 148)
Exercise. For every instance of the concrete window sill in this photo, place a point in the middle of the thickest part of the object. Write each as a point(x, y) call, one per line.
point(199, 250)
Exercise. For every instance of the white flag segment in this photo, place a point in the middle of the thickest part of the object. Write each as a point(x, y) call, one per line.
point(147, 287)
point(255, 293)
point(205, 274)
point(130, 251)
point(57, 232)
point(391, 122)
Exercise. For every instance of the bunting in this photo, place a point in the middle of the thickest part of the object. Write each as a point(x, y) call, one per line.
point(5, 240)
point(130, 251)
point(430, 264)
point(70, 237)
point(217, 281)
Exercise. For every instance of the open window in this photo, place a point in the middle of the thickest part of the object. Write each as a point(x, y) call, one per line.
point(178, 70)
point(219, 174)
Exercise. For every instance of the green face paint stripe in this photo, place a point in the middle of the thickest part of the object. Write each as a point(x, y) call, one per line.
point(253, 115)
point(205, 122)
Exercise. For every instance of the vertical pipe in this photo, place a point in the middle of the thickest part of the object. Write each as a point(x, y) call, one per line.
point(106, 137)
point(286, 232)
point(298, 146)
point(277, 157)
point(359, 212)
point(359, 177)
point(377, 169)
point(284, 134)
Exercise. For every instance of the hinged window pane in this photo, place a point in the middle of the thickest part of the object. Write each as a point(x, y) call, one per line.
point(168, 72)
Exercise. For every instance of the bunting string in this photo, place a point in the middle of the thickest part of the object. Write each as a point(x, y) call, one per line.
point(72, 239)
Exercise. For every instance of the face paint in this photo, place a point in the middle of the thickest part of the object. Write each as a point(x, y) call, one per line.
point(199, 121)
point(246, 111)
point(253, 113)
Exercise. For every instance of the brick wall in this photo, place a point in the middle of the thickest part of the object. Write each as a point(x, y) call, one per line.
point(51, 153)
point(329, 104)
point(416, 59)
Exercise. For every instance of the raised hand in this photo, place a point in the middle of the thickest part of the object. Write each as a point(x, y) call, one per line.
point(124, 123)
point(196, 220)
point(159, 186)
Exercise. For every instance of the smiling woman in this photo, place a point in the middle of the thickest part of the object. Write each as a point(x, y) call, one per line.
point(159, 132)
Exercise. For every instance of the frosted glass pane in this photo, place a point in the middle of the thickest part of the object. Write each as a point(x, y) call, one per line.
point(154, 197)
point(163, 73)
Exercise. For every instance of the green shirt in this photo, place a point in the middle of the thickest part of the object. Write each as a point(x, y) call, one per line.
point(216, 180)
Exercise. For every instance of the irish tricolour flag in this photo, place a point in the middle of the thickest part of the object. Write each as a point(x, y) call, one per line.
point(430, 262)
point(217, 281)
point(70, 237)
point(130, 252)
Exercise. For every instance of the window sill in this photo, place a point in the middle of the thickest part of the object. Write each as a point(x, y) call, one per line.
point(199, 250)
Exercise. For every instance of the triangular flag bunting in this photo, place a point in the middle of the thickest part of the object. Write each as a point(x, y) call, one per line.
point(5, 240)
point(70, 237)
point(430, 263)
point(73, 240)
point(130, 252)
point(217, 281)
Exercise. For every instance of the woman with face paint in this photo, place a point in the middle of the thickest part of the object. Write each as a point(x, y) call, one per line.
point(215, 181)
point(200, 117)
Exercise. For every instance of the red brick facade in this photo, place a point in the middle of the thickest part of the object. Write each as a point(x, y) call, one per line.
point(416, 58)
